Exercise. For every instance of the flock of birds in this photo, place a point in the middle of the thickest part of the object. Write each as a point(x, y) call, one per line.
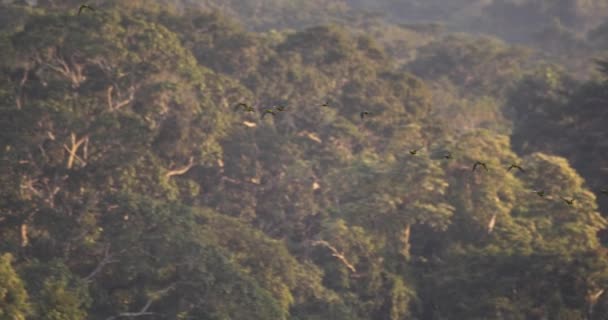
point(448, 155)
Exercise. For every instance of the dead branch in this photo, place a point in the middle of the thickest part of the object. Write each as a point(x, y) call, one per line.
point(73, 73)
point(126, 101)
point(405, 238)
point(74, 149)
point(115, 106)
point(103, 65)
point(239, 182)
point(336, 254)
point(73, 156)
point(492, 223)
point(109, 97)
point(592, 298)
point(24, 78)
point(144, 310)
point(29, 185)
point(179, 172)
point(24, 237)
point(85, 150)
point(77, 73)
point(59, 70)
point(107, 259)
point(51, 191)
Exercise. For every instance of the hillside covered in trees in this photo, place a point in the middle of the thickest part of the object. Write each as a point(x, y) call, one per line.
point(134, 185)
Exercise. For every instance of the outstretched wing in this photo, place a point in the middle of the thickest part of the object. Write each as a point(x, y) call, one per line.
point(267, 111)
point(239, 105)
point(569, 202)
point(515, 166)
point(83, 7)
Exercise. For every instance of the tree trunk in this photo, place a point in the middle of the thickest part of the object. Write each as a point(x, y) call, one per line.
point(24, 238)
point(405, 240)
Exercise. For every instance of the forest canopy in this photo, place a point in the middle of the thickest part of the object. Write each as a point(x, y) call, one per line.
point(303, 160)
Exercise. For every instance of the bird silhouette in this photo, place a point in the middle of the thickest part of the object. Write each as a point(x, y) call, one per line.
point(448, 155)
point(516, 166)
point(245, 106)
point(479, 163)
point(280, 108)
point(325, 104)
point(269, 111)
point(540, 193)
point(363, 114)
point(414, 151)
point(83, 7)
point(568, 202)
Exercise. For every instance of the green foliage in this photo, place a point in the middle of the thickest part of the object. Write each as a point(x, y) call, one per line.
point(60, 302)
point(59, 294)
point(14, 304)
point(478, 65)
point(130, 186)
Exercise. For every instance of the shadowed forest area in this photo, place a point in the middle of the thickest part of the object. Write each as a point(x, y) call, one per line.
point(304, 160)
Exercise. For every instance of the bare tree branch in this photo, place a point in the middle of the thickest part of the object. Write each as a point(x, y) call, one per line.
point(107, 259)
point(179, 172)
point(251, 181)
point(73, 73)
point(405, 238)
point(24, 237)
point(492, 223)
point(115, 106)
point(592, 298)
point(74, 149)
point(126, 101)
point(335, 253)
point(24, 78)
point(144, 310)
point(28, 184)
point(109, 97)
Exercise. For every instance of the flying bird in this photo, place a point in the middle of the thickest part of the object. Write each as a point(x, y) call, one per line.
point(479, 163)
point(540, 193)
point(245, 106)
point(363, 114)
point(280, 108)
point(325, 104)
point(568, 202)
point(516, 166)
point(83, 7)
point(269, 111)
point(414, 152)
point(448, 155)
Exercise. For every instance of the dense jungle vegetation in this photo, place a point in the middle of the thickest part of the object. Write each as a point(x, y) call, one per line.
point(131, 187)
